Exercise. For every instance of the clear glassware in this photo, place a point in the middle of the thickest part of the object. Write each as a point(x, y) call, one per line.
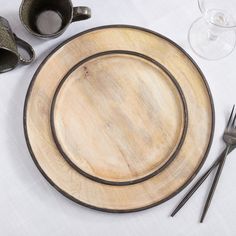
point(213, 36)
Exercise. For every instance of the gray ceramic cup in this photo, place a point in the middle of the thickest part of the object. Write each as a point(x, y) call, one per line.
point(9, 55)
point(50, 18)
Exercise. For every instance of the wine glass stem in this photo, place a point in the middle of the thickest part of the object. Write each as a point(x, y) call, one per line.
point(212, 36)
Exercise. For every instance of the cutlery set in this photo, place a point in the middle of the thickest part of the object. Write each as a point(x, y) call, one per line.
point(229, 138)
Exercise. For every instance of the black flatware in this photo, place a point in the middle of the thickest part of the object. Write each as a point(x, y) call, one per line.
point(230, 139)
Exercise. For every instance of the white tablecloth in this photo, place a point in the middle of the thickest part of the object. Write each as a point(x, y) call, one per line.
point(31, 206)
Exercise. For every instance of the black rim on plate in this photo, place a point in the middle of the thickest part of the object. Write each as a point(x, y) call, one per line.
point(70, 196)
point(172, 79)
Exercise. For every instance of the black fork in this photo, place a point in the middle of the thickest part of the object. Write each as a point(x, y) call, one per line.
point(229, 138)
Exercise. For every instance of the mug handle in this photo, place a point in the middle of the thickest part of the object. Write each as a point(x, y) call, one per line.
point(29, 50)
point(81, 13)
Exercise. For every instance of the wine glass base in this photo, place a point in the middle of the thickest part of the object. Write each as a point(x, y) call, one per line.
point(208, 46)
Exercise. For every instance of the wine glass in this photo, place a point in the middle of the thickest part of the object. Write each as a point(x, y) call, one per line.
point(212, 36)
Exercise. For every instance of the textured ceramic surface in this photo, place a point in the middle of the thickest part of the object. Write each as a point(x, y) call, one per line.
point(9, 56)
point(50, 18)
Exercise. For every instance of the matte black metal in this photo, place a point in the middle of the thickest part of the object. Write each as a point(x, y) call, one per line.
point(31, 9)
point(70, 196)
point(214, 185)
point(230, 117)
point(229, 138)
point(155, 63)
point(200, 181)
point(9, 55)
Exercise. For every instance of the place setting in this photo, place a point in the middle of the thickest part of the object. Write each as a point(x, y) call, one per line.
point(119, 118)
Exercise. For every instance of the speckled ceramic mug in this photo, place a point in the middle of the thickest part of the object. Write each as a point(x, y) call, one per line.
point(50, 18)
point(9, 55)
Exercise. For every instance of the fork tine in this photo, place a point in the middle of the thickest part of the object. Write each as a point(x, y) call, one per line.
point(230, 118)
point(233, 123)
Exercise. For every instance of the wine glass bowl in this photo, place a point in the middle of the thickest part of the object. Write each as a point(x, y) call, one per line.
point(212, 36)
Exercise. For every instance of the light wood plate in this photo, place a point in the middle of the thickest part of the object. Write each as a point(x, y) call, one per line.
point(105, 197)
point(119, 117)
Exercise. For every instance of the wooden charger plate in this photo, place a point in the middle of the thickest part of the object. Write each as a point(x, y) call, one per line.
point(119, 117)
point(75, 185)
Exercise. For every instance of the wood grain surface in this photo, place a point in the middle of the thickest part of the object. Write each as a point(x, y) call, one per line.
point(107, 197)
point(118, 118)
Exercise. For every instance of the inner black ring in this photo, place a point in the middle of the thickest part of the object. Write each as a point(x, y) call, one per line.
point(173, 80)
